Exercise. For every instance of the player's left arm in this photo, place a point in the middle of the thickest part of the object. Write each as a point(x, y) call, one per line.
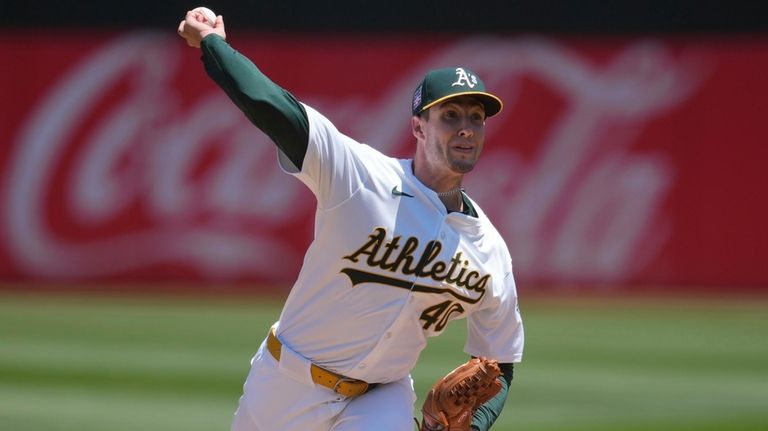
point(496, 331)
point(487, 413)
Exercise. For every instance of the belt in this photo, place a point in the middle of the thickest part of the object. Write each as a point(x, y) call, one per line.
point(336, 382)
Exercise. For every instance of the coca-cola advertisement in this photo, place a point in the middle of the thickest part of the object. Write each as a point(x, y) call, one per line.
point(617, 163)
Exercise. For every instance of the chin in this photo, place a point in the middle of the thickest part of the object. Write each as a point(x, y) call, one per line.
point(463, 167)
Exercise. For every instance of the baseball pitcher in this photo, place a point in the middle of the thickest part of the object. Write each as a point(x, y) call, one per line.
point(400, 249)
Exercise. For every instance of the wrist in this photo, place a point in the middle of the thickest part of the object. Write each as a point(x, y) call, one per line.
point(205, 33)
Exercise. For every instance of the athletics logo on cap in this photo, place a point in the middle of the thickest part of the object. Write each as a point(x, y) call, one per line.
point(442, 84)
point(464, 77)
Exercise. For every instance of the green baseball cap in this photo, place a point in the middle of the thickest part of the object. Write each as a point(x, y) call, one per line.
point(442, 84)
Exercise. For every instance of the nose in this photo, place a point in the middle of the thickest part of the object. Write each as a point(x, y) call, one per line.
point(466, 130)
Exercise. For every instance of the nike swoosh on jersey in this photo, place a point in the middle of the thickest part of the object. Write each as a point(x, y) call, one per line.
point(396, 192)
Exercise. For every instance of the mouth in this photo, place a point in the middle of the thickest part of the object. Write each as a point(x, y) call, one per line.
point(463, 148)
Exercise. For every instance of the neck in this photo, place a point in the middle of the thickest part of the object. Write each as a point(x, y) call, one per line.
point(452, 201)
point(445, 184)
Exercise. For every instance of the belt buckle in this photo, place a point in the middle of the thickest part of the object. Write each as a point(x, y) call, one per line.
point(352, 392)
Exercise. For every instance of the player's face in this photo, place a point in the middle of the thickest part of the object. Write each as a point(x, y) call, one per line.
point(454, 134)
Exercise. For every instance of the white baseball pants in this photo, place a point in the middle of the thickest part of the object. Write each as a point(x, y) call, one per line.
point(283, 397)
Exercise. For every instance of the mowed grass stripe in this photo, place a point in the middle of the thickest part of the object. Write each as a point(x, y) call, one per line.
point(127, 363)
point(97, 409)
point(615, 366)
point(60, 354)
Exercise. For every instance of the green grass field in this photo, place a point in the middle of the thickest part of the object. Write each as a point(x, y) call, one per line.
point(84, 363)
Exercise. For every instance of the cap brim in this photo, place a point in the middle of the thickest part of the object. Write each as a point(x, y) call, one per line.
point(492, 104)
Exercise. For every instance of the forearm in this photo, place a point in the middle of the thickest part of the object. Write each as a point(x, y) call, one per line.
point(488, 412)
point(268, 106)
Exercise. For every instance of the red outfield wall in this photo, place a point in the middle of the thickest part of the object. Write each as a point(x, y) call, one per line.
point(621, 161)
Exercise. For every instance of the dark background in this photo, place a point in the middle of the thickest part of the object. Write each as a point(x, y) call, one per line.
point(511, 16)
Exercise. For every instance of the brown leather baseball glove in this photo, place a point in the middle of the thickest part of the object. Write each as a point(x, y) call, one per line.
point(452, 400)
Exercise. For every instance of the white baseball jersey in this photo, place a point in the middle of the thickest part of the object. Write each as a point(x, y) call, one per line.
point(389, 267)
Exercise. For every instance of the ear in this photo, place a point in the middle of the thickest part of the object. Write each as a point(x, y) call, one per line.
point(417, 127)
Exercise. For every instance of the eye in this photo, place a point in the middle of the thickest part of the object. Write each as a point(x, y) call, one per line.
point(451, 114)
point(478, 117)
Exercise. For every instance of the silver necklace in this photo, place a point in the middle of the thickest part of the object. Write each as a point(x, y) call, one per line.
point(450, 192)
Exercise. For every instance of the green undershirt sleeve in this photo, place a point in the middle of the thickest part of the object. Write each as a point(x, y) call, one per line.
point(487, 413)
point(268, 106)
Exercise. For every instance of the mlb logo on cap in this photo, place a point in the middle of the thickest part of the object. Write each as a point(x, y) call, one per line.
point(416, 98)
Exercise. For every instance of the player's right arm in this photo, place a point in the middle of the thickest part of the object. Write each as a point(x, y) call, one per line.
point(328, 162)
point(272, 109)
point(268, 106)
